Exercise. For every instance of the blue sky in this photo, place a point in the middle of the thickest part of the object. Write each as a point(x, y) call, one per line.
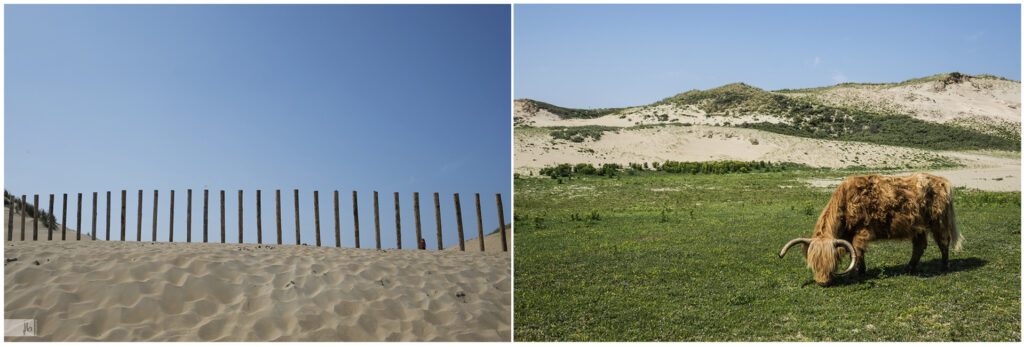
point(624, 55)
point(386, 98)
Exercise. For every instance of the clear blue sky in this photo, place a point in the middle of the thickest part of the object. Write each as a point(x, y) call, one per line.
point(624, 55)
point(386, 98)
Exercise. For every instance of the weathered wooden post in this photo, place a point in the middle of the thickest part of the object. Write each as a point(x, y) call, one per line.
point(259, 218)
point(24, 199)
point(278, 195)
point(206, 214)
point(398, 224)
point(10, 219)
point(138, 222)
point(124, 212)
point(63, 219)
point(78, 220)
point(316, 215)
point(437, 216)
point(188, 216)
point(95, 197)
point(376, 218)
point(458, 222)
point(298, 235)
point(223, 228)
point(35, 218)
point(479, 222)
point(108, 216)
point(416, 215)
point(337, 222)
point(501, 222)
point(170, 231)
point(355, 216)
point(156, 200)
point(49, 226)
point(240, 238)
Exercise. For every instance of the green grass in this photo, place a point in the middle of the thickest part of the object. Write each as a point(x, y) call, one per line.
point(694, 258)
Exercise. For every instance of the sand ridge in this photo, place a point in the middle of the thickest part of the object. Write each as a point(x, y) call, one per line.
point(159, 291)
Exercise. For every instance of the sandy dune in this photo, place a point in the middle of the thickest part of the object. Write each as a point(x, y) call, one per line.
point(492, 242)
point(990, 100)
point(71, 233)
point(145, 291)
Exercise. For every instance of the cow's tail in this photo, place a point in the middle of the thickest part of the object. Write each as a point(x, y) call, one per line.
point(955, 238)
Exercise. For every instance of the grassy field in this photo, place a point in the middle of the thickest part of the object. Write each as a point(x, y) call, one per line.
point(671, 257)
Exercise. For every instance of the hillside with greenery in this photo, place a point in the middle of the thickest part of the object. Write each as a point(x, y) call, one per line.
point(806, 117)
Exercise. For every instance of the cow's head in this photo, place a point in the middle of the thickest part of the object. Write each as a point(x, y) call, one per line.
point(823, 255)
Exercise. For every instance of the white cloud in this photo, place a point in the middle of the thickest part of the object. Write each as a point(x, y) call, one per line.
point(838, 77)
point(817, 61)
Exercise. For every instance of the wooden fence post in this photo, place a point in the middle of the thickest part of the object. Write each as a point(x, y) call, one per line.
point(35, 218)
point(437, 215)
point(223, 229)
point(63, 219)
point(156, 200)
point(10, 219)
point(78, 221)
point(458, 222)
point(124, 212)
point(416, 215)
point(355, 216)
point(501, 222)
point(259, 219)
point(24, 199)
point(95, 197)
point(188, 216)
point(278, 196)
point(49, 226)
point(298, 235)
point(240, 238)
point(108, 216)
point(479, 222)
point(337, 222)
point(138, 222)
point(206, 214)
point(316, 215)
point(376, 218)
point(170, 231)
point(398, 224)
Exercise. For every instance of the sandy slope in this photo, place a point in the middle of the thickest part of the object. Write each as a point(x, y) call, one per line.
point(145, 291)
point(492, 242)
point(71, 234)
point(989, 100)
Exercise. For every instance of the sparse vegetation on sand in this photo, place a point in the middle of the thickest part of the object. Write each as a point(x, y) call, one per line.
point(695, 258)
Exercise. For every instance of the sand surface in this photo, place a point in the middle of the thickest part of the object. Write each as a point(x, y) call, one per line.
point(146, 291)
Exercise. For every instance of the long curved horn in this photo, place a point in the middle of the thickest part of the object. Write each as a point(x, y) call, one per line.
point(853, 255)
point(785, 248)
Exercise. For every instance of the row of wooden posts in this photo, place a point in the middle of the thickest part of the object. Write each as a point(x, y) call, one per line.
point(259, 223)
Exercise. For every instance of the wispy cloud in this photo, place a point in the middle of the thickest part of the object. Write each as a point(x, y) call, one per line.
point(838, 77)
point(817, 61)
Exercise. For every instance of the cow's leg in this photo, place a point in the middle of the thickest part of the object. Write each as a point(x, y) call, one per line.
point(942, 239)
point(920, 243)
point(860, 243)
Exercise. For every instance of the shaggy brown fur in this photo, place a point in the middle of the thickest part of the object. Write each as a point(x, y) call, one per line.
point(868, 208)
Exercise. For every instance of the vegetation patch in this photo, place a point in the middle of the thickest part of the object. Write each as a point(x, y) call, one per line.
point(630, 260)
point(580, 133)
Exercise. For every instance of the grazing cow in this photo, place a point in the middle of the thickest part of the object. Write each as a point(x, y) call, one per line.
point(868, 208)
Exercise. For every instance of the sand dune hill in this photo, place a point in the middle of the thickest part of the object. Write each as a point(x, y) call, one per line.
point(679, 129)
point(146, 291)
point(979, 99)
point(71, 233)
point(492, 242)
